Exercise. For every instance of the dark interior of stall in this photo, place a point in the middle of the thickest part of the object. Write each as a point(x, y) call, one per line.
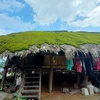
point(69, 78)
point(61, 77)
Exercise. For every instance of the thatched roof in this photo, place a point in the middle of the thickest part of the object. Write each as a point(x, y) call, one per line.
point(67, 49)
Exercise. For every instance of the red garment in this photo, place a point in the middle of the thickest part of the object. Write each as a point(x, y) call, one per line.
point(79, 66)
point(98, 64)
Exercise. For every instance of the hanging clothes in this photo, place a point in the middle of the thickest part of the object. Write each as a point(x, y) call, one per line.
point(79, 54)
point(83, 67)
point(76, 54)
point(69, 64)
point(98, 64)
point(79, 65)
point(89, 66)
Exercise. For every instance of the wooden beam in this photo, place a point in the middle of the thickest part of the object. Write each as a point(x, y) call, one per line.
point(54, 67)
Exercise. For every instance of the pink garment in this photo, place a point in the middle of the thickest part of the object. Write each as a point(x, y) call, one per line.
point(98, 64)
point(79, 66)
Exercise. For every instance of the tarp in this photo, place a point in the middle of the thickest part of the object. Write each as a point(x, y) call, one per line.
point(2, 64)
point(1, 69)
point(2, 61)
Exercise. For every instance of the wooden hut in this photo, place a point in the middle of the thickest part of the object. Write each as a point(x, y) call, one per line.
point(48, 58)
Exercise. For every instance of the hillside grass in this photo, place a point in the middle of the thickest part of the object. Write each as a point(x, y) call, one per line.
point(23, 40)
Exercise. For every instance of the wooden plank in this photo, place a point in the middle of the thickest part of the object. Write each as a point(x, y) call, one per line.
point(29, 96)
point(30, 91)
point(45, 66)
point(54, 67)
point(32, 77)
point(58, 61)
point(31, 82)
point(35, 86)
point(61, 60)
point(47, 60)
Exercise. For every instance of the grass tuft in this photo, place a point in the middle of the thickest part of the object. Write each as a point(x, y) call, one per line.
point(23, 40)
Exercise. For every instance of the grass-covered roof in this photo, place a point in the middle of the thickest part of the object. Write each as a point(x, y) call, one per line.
point(22, 41)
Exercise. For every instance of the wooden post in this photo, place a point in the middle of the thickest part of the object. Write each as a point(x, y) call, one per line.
point(51, 80)
point(51, 77)
point(4, 73)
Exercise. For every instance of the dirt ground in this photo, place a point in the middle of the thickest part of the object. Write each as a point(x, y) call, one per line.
point(58, 95)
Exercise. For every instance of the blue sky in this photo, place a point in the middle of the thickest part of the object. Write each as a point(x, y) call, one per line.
point(46, 15)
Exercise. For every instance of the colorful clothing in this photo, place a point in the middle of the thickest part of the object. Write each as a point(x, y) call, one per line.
point(11, 74)
point(79, 65)
point(69, 64)
point(89, 67)
point(83, 67)
point(98, 64)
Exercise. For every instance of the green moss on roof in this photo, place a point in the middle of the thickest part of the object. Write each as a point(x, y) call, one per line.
point(23, 40)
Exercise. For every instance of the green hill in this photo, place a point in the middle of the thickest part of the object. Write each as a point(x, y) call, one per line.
point(23, 40)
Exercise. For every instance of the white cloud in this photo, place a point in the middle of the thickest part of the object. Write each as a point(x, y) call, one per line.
point(14, 24)
point(93, 19)
point(48, 11)
point(10, 5)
